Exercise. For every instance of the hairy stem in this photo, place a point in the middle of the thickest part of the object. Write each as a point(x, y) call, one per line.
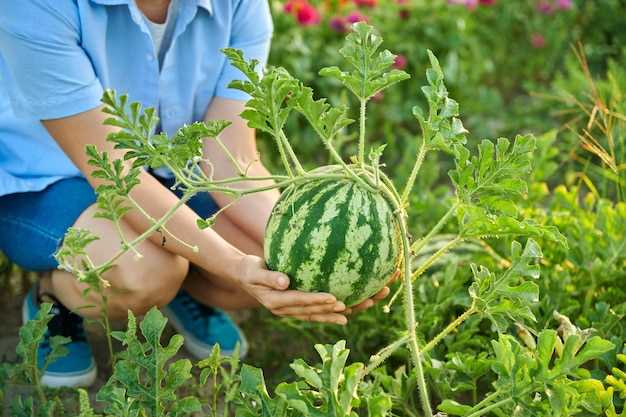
point(421, 153)
point(362, 133)
point(381, 356)
point(424, 267)
point(292, 154)
point(491, 407)
point(419, 245)
point(449, 329)
point(435, 256)
point(163, 228)
point(283, 156)
point(230, 156)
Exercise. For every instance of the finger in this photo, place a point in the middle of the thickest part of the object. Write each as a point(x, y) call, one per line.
point(363, 306)
point(324, 318)
point(279, 299)
point(338, 307)
point(256, 273)
point(395, 276)
point(381, 294)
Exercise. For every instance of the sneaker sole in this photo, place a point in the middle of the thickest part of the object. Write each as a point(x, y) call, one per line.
point(73, 379)
point(196, 347)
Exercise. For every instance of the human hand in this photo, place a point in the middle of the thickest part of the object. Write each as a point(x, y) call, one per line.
point(271, 290)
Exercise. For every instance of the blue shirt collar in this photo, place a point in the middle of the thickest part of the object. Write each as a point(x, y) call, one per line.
point(205, 4)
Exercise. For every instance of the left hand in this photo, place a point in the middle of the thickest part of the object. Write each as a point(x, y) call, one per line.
point(380, 295)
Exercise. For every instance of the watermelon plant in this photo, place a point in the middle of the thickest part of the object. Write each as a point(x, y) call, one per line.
point(341, 228)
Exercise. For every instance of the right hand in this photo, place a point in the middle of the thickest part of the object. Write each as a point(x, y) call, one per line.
point(271, 290)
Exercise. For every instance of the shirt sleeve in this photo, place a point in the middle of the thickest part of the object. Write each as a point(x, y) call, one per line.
point(51, 75)
point(252, 33)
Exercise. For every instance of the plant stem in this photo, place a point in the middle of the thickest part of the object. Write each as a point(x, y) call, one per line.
point(419, 245)
point(147, 233)
point(283, 156)
point(163, 228)
point(435, 256)
point(449, 329)
point(490, 407)
point(388, 350)
point(489, 398)
point(409, 306)
point(416, 167)
point(378, 358)
point(292, 154)
point(230, 156)
point(215, 393)
point(362, 133)
point(424, 266)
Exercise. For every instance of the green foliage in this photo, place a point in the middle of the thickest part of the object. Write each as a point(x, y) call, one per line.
point(370, 73)
point(143, 372)
point(547, 379)
point(508, 297)
point(328, 390)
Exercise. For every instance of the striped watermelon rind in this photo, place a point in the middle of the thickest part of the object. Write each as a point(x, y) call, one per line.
point(332, 235)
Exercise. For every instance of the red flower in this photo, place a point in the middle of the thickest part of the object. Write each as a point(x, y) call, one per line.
point(366, 3)
point(537, 40)
point(400, 62)
point(404, 14)
point(307, 15)
point(487, 2)
point(355, 17)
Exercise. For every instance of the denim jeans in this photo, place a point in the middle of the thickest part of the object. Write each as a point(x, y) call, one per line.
point(33, 224)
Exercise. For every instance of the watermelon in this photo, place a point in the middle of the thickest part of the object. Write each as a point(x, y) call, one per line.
point(334, 236)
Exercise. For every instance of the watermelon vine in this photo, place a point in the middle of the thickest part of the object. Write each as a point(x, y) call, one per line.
point(486, 185)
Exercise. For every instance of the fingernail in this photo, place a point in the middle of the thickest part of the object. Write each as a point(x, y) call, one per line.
point(340, 306)
point(282, 281)
point(331, 300)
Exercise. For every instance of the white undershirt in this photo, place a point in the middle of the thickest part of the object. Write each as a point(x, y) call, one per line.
point(161, 33)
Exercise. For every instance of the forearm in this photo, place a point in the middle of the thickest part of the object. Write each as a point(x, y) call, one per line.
point(251, 212)
point(214, 254)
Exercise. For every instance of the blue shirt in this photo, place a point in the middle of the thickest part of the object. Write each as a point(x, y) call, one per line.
point(57, 57)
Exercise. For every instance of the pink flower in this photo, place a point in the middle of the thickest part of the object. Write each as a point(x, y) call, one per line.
point(356, 17)
point(537, 40)
point(402, 1)
point(545, 7)
point(338, 24)
point(564, 4)
point(470, 4)
point(487, 2)
point(366, 3)
point(307, 15)
point(400, 62)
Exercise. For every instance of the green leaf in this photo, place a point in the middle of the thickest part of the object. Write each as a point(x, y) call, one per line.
point(370, 70)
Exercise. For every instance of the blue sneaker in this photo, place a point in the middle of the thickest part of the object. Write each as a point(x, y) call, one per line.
point(78, 367)
point(203, 326)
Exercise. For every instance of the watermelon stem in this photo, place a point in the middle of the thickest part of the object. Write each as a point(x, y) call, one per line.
point(419, 245)
point(409, 309)
point(362, 133)
point(421, 153)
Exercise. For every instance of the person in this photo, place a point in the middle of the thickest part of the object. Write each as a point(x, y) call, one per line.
point(56, 59)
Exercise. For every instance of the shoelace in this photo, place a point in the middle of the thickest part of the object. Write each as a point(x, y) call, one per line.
point(63, 323)
point(200, 314)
